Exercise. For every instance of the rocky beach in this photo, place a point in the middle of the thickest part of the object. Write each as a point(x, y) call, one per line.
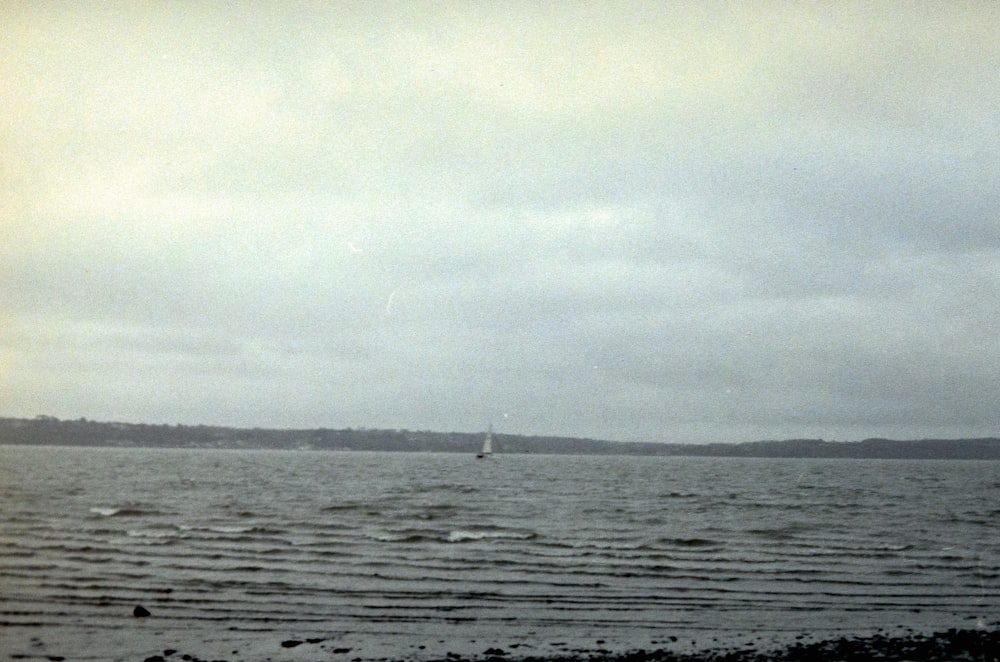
point(972, 645)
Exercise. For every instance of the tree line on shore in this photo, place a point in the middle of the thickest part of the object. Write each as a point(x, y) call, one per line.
point(51, 431)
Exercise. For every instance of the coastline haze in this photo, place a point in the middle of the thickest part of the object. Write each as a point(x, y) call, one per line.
point(679, 223)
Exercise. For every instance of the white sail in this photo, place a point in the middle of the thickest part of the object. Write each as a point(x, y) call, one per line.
point(487, 444)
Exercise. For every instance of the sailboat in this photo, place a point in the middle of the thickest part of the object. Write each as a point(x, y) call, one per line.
point(487, 445)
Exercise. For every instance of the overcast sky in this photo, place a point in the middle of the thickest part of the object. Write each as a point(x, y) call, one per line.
point(681, 222)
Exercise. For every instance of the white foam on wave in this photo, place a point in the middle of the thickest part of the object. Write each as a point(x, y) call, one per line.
point(105, 512)
point(216, 529)
point(465, 536)
point(229, 529)
point(461, 535)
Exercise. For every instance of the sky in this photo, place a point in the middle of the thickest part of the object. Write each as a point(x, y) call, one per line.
point(681, 222)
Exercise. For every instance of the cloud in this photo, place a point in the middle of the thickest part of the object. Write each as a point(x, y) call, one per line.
point(678, 223)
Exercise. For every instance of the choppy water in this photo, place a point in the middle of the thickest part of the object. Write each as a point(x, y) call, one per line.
point(384, 552)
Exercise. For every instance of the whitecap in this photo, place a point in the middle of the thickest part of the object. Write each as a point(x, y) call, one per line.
point(465, 536)
point(400, 537)
point(230, 529)
point(105, 512)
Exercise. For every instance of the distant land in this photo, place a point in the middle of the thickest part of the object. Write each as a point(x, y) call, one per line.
point(51, 431)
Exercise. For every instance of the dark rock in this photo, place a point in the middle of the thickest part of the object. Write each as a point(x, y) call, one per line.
point(168, 652)
point(341, 651)
point(495, 651)
point(290, 643)
point(154, 658)
point(140, 612)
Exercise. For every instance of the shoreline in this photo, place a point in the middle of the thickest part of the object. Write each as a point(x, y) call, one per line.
point(978, 645)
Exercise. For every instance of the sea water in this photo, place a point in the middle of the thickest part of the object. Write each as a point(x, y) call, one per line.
point(414, 555)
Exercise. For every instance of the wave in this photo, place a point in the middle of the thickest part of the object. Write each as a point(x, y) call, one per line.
point(689, 542)
point(404, 537)
point(154, 536)
point(105, 512)
point(232, 529)
point(550, 552)
point(123, 511)
point(467, 536)
point(893, 548)
point(453, 536)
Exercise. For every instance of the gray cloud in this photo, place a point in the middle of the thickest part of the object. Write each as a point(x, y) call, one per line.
point(650, 222)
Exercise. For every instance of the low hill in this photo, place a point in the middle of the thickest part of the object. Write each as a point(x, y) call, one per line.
point(50, 431)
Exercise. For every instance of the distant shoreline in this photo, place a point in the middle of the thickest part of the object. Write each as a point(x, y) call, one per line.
point(51, 431)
